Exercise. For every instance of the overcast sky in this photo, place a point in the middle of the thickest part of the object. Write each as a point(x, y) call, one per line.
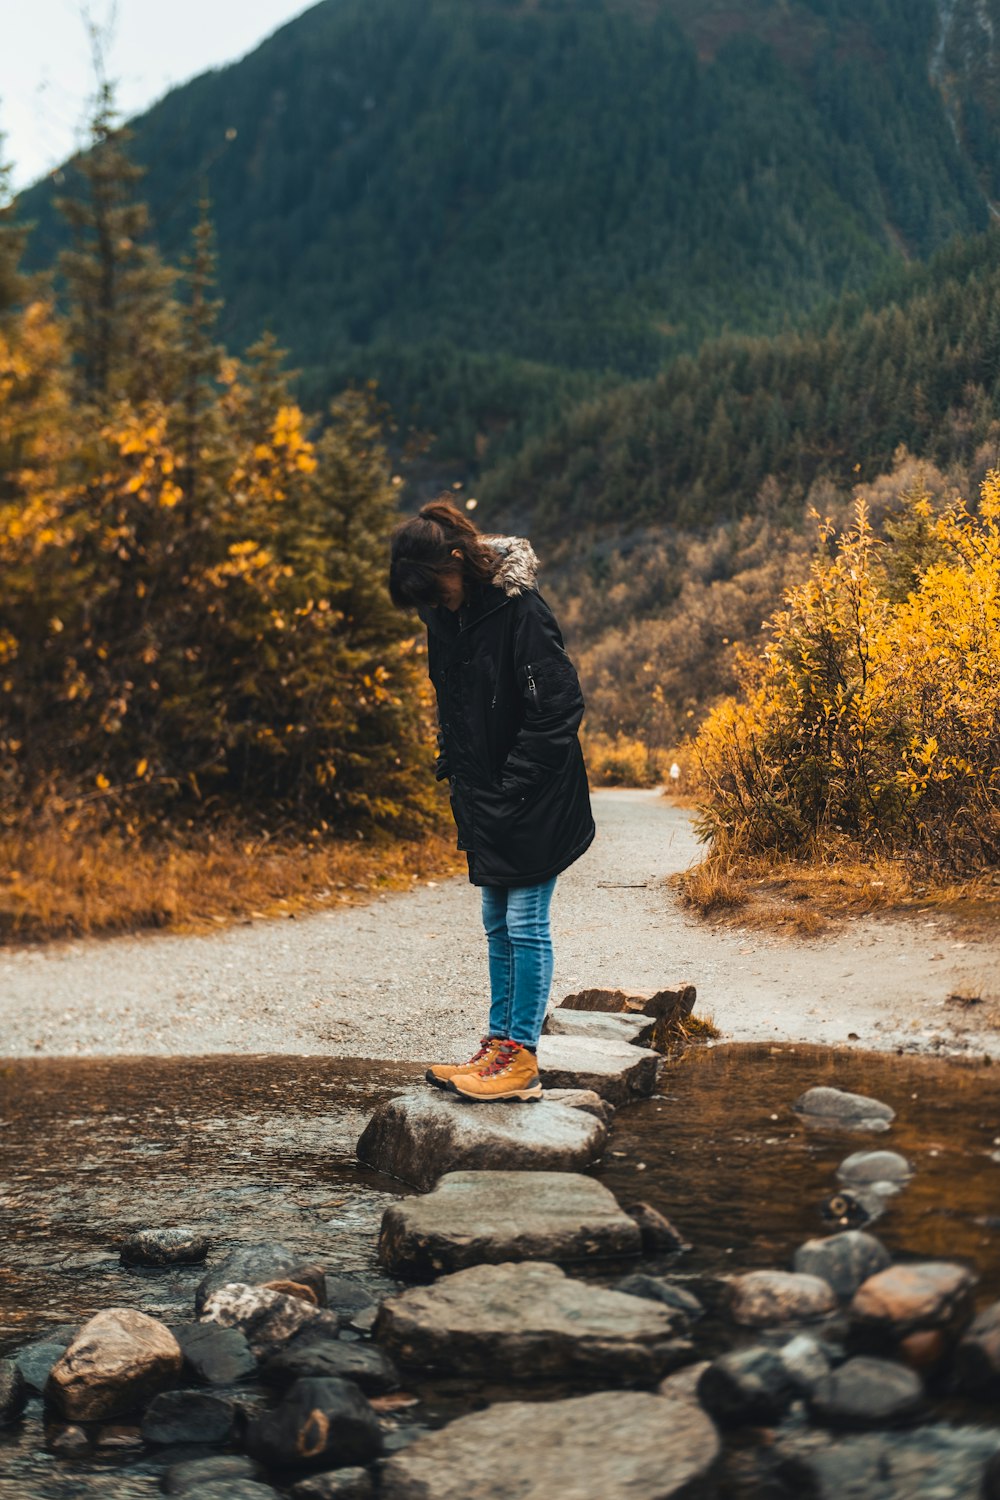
point(46, 77)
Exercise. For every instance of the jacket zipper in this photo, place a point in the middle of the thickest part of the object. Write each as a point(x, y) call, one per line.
point(531, 686)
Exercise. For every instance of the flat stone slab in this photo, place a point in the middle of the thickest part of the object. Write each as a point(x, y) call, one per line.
point(638, 1031)
point(423, 1134)
point(485, 1218)
point(613, 1444)
point(617, 1071)
point(530, 1322)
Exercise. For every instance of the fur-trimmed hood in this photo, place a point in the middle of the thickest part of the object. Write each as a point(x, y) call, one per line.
point(518, 568)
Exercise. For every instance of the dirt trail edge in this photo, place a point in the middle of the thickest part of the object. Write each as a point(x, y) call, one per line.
point(405, 978)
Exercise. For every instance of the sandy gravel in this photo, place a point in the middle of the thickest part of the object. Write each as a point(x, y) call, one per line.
point(406, 976)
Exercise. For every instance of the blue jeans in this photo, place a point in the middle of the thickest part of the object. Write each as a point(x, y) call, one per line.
point(520, 951)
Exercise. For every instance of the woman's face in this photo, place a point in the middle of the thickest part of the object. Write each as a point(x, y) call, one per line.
point(452, 585)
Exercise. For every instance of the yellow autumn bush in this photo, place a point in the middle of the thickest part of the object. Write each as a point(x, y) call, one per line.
point(870, 715)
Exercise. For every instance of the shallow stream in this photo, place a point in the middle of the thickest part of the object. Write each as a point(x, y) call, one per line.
point(257, 1148)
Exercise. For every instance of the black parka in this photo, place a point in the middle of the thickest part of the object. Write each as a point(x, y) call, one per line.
point(509, 707)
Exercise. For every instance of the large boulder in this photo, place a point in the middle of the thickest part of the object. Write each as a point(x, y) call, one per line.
point(268, 1319)
point(867, 1392)
point(530, 1322)
point(318, 1424)
point(638, 1031)
point(613, 1444)
point(116, 1362)
point(256, 1265)
point(617, 1071)
point(844, 1260)
point(164, 1247)
point(836, 1109)
point(760, 1299)
point(475, 1218)
point(904, 1300)
point(421, 1135)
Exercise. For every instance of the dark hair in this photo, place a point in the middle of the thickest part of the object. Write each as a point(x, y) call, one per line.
point(422, 551)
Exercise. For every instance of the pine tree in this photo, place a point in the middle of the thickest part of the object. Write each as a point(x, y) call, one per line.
point(201, 362)
point(12, 240)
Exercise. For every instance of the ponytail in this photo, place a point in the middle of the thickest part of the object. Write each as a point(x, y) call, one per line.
point(422, 548)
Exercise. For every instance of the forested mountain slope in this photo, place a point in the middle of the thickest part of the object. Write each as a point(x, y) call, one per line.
point(493, 204)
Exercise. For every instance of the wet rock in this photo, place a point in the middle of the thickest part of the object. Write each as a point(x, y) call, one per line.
point(762, 1298)
point(683, 1384)
point(585, 1099)
point(806, 1361)
point(844, 1260)
point(289, 1288)
point(929, 1463)
point(346, 1297)
point(747, 1386)
point(68, 1442)
point(13, 1392)
point(252, 1265)
point(833, 1108)
point(318, 1424)
point(35, 1363)
point(617, 1071)
point(659, 1236)
point(421, 1135)
point(188, 1417)
point(117, 1438)
point(218, 1356)
point(870, 1168)
point(164, 1247)
point(117, 1361)
point(977, 1358)
point(371, 1369)
point(660, 1004)
point(188, 1477)
point(476, 1218)
point(529, 1321)
point(926, 1350)
point(268, 1319)
point(659, 1289)
point(637, 1031)
point(909, 1299)
point(991, 1479)
point(866, 1393)
point(612, 1444)
point(234, 1489)
point(339, 1484)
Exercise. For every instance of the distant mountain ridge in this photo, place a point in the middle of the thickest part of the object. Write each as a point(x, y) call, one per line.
point(494, 205)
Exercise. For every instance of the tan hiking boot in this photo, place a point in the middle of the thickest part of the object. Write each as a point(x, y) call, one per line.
point(511, 1073)
point(441, 1073)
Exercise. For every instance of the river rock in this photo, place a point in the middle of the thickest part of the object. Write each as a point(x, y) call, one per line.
point(601, 1447)
point(253, 1265)
point(35, 1363)
point(929, 1463)
point(749, 1386)
point(68, 1441)
point(235, 1489)
point(585, 1099)
point(844, 1260)
point(977, 1358)
point(118, 1360)
point(659, 1289)
point(871, 1169)
point(371, 1369)
point(318, 1424)
point(833, 1109)
point(268, 1319)
point(190, 1476)
point(339, 1484)
point(348, 1297)
point(806, 1361)
point(476, 1218)
point(617, 1071)
point(529, 1321)
point(866, 1393)
point(216, 1355)
point(762, 1298)
point(13, 1391)
point(164, 1247)
point(675, 1004)
point(423, 1134)
point(188, 1417)
point(659, 1236)
point(911, 1299)
point(637, 1031)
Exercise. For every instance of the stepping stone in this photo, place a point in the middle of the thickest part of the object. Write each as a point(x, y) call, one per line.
point(617, 1071)
point(476, 1218)
point(762, 1299)
point(530, 1322)
point(914, 1299)
point(424, 1133)
point(660, 1004)
point(615, 1443)
point(836, 1109)
point(844, 1260)
point(883, 1171)
point(637, 1030)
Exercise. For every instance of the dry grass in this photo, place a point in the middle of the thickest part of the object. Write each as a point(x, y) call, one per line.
point(804, 897)
point(56, 884)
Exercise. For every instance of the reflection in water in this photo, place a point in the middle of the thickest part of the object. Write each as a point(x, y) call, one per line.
point(262, 1148)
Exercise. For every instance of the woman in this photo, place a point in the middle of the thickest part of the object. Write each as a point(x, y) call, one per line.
point(509, 706)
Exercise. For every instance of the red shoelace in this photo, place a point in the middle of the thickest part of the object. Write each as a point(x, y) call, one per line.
point(506, 1053)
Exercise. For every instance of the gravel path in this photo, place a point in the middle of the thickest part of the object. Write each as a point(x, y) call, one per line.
point(406, 976)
